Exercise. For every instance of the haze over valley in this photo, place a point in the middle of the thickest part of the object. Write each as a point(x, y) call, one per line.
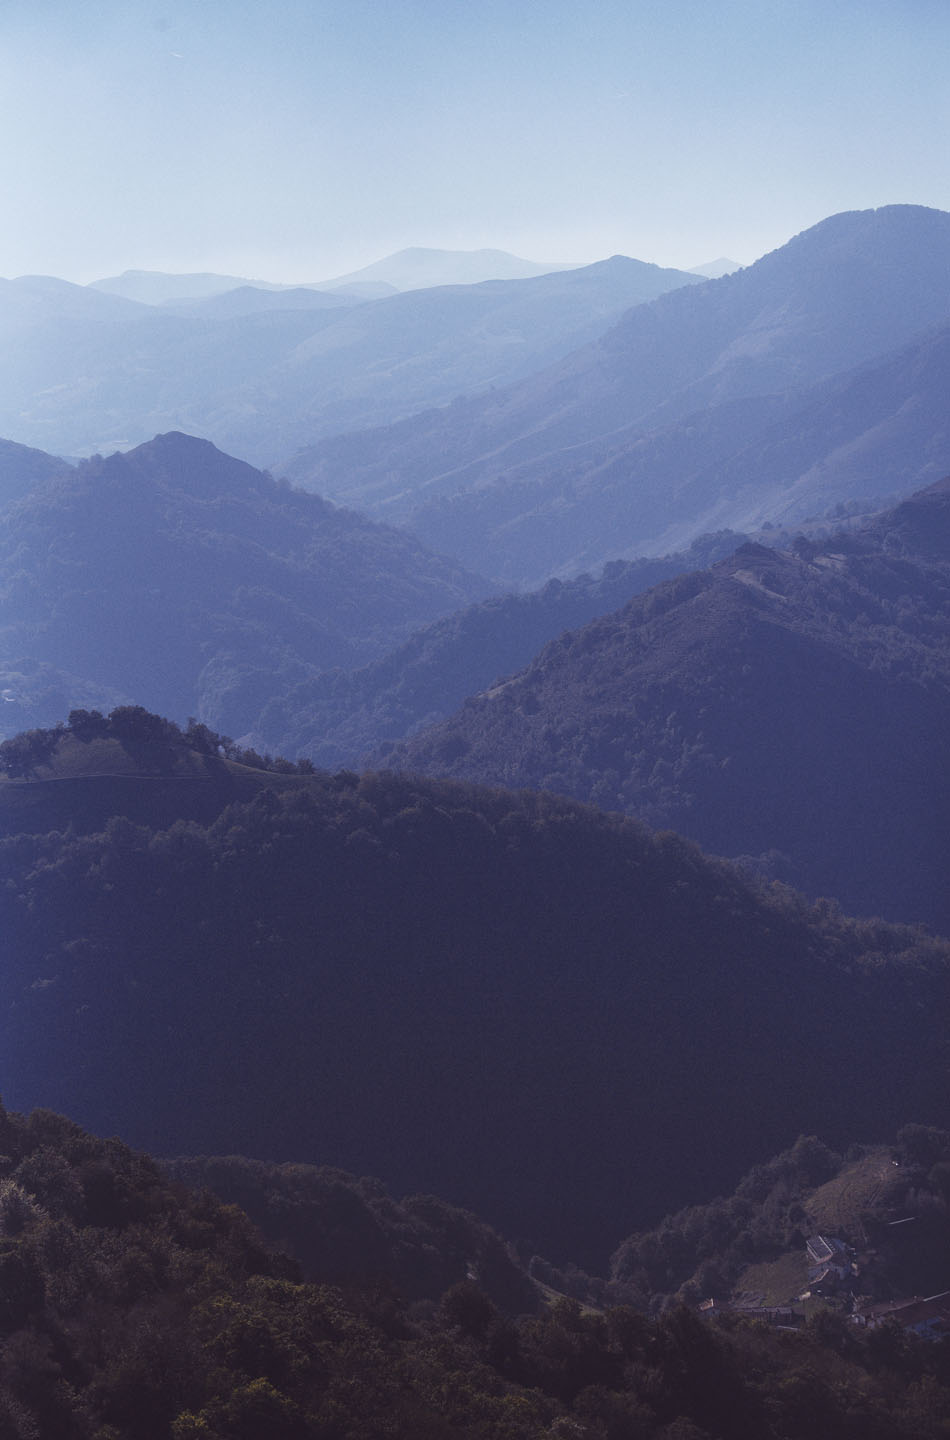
point(474, 714)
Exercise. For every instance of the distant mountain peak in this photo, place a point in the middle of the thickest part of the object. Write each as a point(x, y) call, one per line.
point(715, 269)
point(196, 467)
point(195, 582)
point(178, 444)
point(158, 287)
point(177, 440)
point(421, 268)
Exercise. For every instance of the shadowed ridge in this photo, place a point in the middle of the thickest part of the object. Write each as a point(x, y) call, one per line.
point(791, 709)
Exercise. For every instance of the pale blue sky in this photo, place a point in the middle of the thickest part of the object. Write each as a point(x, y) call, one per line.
point(295, 141)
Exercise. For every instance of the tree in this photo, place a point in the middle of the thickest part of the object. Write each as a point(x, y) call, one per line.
point(87, 725)
point(203, 739)
point(22, 756)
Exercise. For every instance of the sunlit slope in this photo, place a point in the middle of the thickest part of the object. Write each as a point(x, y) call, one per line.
point(791, 708)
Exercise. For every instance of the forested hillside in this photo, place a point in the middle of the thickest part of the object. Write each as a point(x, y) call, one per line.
point(134, 1309)
point(887, 1202)
point(337, 717)
point(790, 708)
point(532, 1009)
point(348, 1230)
point(177, 577)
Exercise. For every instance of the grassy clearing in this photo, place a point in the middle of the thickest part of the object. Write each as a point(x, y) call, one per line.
point(85, 784)
point(550, 1296)
point(775, 1282)
point(837, 1206)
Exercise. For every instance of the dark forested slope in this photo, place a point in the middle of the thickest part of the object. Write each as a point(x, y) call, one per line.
point(336, 717)
point(540, 1012)
point(348, 1230)
point(180, 578)
point(794, 707)
point(132, 1308)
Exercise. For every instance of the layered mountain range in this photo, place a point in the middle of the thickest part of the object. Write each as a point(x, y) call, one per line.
point(83, 369)
point(811, 378)
point(552, 1014)
point(416, 268)
point(770, 707)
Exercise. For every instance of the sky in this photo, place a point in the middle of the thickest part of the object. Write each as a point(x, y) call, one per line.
point(296, 140)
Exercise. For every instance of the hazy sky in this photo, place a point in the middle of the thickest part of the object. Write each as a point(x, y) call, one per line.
point(297, 139)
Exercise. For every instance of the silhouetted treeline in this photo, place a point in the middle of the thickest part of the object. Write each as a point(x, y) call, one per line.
point(152, 741)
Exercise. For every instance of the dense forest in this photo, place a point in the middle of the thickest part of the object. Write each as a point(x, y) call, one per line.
point(536, 1010)
point(889, 1202)
point(135, 1309)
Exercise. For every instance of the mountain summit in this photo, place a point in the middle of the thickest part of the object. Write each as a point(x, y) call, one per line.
point(418, 268)
point(179, 577)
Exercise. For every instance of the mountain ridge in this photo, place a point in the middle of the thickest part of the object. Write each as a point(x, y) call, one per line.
point(490, 472)
point(773, 707)
point(338, 718)
point(418, 267)
point(86, 371)
point(176, 575)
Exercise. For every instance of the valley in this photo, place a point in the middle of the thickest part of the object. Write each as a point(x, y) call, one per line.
point(536, 797)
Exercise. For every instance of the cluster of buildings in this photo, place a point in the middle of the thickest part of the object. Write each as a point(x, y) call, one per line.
point(831, 1265)
point(929, 1318)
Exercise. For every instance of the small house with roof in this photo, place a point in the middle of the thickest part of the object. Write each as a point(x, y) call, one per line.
point(828, 1260)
